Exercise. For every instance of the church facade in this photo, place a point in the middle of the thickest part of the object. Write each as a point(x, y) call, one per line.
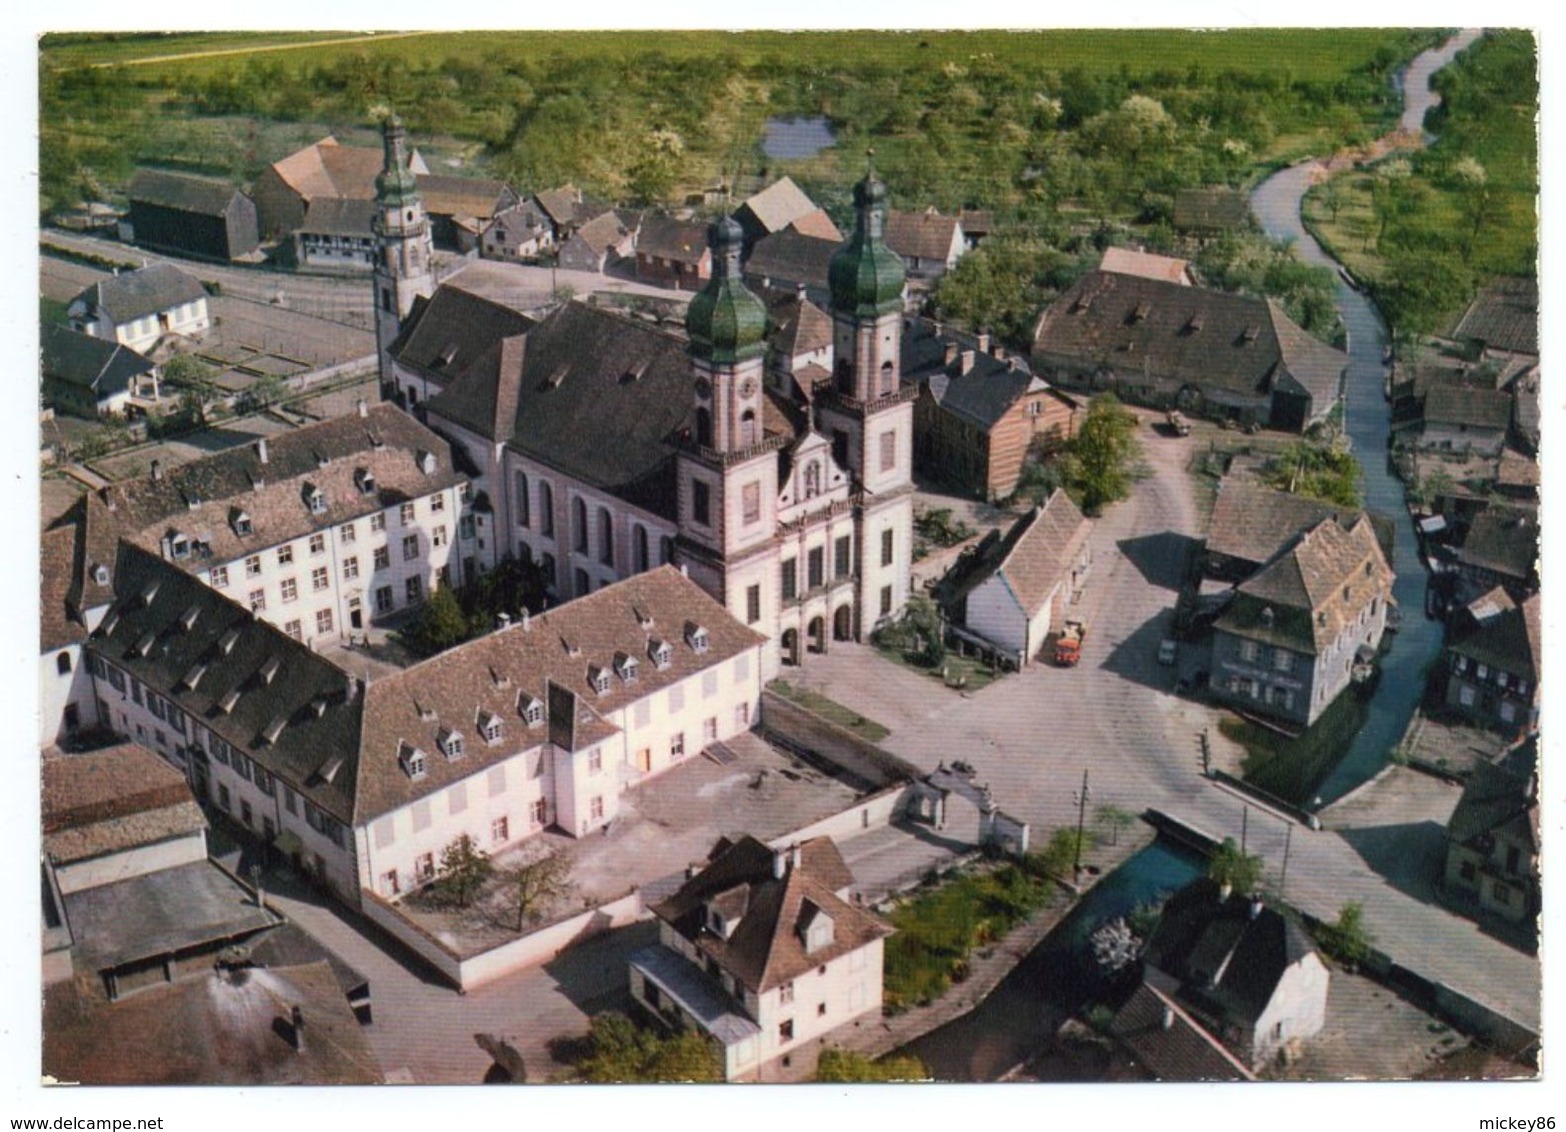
point(603, 445)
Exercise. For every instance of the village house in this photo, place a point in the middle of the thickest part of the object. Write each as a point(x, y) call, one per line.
point(1500, 548)
point(980, 413)
point(977, 225)
point(66, 705)
point(194, 216)
point(540, 725)
point(1503, 319)
point(781, 205)
point(1147, 265)
point(799, 344)
point(568, 209)
point(1169, 1043)
point(1492, 839)
point(461, 209)
point(1245, 971)
point(1493, 660)
point(335, 234)
point(143, 309)
point(320, 531)
point(930, 244)
point(611, 444)
point(790, 260)
point(1212, 353)
point(600, 242)
point(1295, 633)
point(522, 232)
point(673, 253)
point(94, 377)
point(763, 952)
point(1251, 523)
point(1021, 586)
point(1463, 419)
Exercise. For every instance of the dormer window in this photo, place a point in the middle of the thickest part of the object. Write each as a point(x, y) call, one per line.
point(532, 712)
point(412, 761)
point(274, 728)
point(270, 669)
point(364, 480)
point(598, 678)
point(625, 666)
point(489, 726)
point(100, 574)
point(815, 928)
point(227, 641)
point(696, 637)
point(241, 522)
point(451, 744)
point(179, 545)
point(315, 499)
point(659, 653)
point(427, 463)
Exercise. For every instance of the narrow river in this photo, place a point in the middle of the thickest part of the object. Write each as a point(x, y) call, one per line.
point(1276, 203)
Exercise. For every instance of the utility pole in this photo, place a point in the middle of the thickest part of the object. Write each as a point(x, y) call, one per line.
point(1080, 797)
point(1245, 821)
point(1283, 879)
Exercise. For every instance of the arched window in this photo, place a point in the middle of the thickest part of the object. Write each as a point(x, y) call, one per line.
point(605, 537)
point(546, 509)
point(639, 546)
point(579, 523)
point(704, 428)
point(519, 500)
point(665, 550)
point(748, 428)
point(888, 379)
point(62, 663)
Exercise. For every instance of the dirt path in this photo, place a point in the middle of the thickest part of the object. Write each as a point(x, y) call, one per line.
point(178, 58)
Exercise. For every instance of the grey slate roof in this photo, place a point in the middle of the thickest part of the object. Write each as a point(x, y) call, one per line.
point(1508, 637)
point(683, 241)
point(982, 395)
point(449, 331)
point(1496, 801)
point(201, 195)
point(148, 290)
point(1475, 407)
point(97, 364)
point(1502, 539)
point(1171, 1044)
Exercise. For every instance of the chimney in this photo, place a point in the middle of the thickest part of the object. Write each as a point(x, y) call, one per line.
point(527, 620)
point(363, 407)
point(795, 856)
point(691, 870)
point(1167, 1022)
point(799, 291)
point(779, 864)
point(296, 1017)
point(967, 361)
point(1256, 905)
point(984, 341)
point(157, 470)
point(951, 353)
point(261, 449)
point(502, 620)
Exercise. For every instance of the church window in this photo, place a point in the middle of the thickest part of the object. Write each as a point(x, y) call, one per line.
point(701, 502)
point(750, 497)
point(812, 479)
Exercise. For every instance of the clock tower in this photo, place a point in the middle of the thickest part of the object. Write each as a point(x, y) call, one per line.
point(404, 264)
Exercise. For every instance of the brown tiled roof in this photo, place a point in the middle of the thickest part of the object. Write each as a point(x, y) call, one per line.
point(599, 396)
point(1252, 522)
point(112, 800)
point(1130, 261)
point(1185, 335)
point(203, 196)
point(817, 224)
point(603, 232)
point(1505, 316)
point(1514, 469)
point(925, 235)
point(976, 221)
point(1307, 596)
point(201, 499)
point(683, 241)
point(799, 326)
point(329, 169)
point(450, 330)
point(1480, 407)
point(1040, 549)
point(765, 949)
point(792, 257)
point(477, 197)
point(777, 206)
point(1210, 208)
point(223, 650)
point(1497, 632)
point(96, 547)
point(501, 672)
point(59, 622)
point(213, 1029)
point(338, 216)
point(560, 205)
point(1171, 1044)
point(1502, 539)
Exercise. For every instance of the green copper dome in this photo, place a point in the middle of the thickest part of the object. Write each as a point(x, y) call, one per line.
point(866, 276)
point(395, 184)
point(726, 323)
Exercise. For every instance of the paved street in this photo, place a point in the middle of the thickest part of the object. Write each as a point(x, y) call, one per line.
point(1031, 735)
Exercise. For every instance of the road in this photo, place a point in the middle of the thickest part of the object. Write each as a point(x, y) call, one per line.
point(1031, 735)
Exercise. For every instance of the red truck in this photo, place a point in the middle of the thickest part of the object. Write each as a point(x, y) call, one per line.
point(1068, 646)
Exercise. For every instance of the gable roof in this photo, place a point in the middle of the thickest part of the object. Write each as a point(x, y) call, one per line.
point(598, 396)
point(448, 332)
point(1134, 261)
point(777, 206)
point(476, 197)
point(330, 169)
point(1182, 334)
point(1226, 954)
point(114, 799)
point(792, 256)
point(922, 235)
point(1211, 208)
point(96, 364)
point(603, 232)
point(561, 204)
point(1496, 801)
point(984, 394)
point(1252, 522)
point(1171, 1044)
point(1504, 316)
point(1306, 596)
point(339, 216)
point(204, 196)
point(1039, 550)
point(201, 498)
point(1496, 631)
point(147, 290)
point(798, 325)
point(683, 241)
point(817, 224)
point(499, 673)
point(1471, 406)
point(765, 949)
point(1504, 540)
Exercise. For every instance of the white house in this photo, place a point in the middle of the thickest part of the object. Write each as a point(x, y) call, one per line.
point(65, 696)
point(544, 723)
point(141, 308)
point(762, 952)
point(1023, 585)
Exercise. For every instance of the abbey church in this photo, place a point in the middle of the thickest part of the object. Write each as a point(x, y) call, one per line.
point(602, 445)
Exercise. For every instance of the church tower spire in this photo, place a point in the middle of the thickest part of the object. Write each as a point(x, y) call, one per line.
point(404, 267)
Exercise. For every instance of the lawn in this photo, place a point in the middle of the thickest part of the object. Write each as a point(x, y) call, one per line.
point(831, 711)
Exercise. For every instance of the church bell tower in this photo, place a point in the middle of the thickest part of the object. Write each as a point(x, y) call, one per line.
point(404, 267)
